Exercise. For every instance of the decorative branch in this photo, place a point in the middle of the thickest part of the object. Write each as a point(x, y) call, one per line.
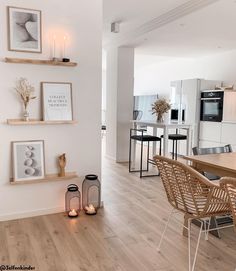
point(160, 107)
point(25, 90)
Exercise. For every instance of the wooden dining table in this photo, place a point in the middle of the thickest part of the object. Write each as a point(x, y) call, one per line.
point(220, 164)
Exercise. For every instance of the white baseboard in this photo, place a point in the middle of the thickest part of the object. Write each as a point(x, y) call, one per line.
point(39, 212)
point(115, 160)
point(110, 157)
point(122, 161)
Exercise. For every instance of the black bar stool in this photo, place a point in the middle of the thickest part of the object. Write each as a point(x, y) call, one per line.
point(175, 137)
point(142, 138)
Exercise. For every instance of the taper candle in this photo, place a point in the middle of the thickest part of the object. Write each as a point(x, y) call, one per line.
point(64, 47)
point(54, 46)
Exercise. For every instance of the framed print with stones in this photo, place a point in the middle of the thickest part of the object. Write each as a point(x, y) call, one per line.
point(57, 101)
point(24, 30)
point(28, 160)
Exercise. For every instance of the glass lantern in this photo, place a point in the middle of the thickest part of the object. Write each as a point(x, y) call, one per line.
point(72, 200)
point(91, 191)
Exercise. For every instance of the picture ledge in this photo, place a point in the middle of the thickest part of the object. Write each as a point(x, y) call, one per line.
point(39, 62)
point(48, 178)
point(39, 122)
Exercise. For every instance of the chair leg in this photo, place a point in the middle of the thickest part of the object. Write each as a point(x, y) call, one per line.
point(176, 149)
point(148, 157)
point(192, 266)
point(164, 231)
point(173, 150)
point(207, 225)
point(185, 228)
point(160, 148)
point(130, 144)
point(141, 161)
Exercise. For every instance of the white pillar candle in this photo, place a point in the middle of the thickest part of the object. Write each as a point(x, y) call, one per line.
point(54, 46)
point(73, 213)
point(90, 209)
point(64, 47)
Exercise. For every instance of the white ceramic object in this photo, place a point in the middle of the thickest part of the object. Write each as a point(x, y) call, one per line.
point(28, 162)
point(28, 154)
point(30, 171)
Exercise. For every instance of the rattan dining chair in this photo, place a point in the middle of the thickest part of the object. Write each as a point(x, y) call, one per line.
point(194, 195)
point(230, 185)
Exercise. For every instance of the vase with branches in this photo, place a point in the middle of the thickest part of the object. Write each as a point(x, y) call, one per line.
point(26, 92)
point(160, 107)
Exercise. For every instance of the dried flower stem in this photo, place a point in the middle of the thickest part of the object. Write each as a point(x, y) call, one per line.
point(25, 91)
point(160, 107)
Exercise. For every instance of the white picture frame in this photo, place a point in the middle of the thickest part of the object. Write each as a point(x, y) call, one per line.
point(57, 101)
point(24, 30)
point(28, 160)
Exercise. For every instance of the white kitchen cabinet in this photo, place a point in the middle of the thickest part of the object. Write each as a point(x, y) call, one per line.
point(214, 134)
point(229, 112)
point(209, 144)
point(228, 134)
point(210, 131)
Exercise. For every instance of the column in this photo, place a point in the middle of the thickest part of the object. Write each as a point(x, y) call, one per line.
point(119, 101)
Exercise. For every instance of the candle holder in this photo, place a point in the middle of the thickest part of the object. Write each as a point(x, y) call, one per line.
point(72, 201)
point(91, 199)
point(65, 59)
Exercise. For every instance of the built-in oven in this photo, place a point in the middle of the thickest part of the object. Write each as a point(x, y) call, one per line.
point(212, 105)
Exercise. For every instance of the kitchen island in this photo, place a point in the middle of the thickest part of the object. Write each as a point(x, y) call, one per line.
point(166, 127)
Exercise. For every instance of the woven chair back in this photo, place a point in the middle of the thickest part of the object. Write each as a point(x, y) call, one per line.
point(189, 191)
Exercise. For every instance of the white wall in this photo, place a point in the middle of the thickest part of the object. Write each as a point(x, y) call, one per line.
point(159, 75)
point(81, 20)
point(119, 97)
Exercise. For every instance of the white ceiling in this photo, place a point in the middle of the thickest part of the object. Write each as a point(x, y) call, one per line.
point(206, 31)
point(133, 13)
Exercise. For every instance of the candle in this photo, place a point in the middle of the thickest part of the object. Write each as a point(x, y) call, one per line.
point(54, 46)
point(73, 213)
point(90, 210)
point(64, 47)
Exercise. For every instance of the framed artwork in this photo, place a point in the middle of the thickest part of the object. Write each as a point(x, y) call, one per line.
point(24, 30)
point(28, 160)
point(57, 101)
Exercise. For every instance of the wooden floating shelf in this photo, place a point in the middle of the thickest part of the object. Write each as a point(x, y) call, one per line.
point(48, 178)
point(39, 62)
point(39, 122)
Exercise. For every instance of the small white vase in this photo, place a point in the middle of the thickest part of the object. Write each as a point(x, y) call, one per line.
point(26, 115)
point(160, 118)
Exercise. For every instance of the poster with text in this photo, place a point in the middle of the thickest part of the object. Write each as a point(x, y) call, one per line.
point(57, 101)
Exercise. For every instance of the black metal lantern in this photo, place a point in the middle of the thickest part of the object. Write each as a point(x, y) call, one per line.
point(91, 197)
point(72, 200)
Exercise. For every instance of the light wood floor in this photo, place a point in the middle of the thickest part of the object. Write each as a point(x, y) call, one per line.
point(122, 237)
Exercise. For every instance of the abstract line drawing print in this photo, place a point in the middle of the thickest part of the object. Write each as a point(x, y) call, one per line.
point(24, 30)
